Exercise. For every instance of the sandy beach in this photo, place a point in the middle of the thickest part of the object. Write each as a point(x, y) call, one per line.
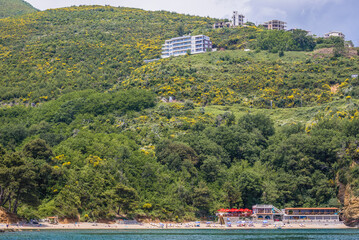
point(189, 225)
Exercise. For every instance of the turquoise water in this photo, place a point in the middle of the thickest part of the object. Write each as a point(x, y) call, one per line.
point(195, 234)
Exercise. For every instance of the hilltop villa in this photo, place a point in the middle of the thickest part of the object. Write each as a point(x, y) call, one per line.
point(275, 25)
point(334, 34)
point(237, 20)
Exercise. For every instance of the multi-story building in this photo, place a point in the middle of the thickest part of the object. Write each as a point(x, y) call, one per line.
point(182, 45)
point(237, 19)
point(312, 214)
point(275, 25)
point(334, 34)
point(267, 212)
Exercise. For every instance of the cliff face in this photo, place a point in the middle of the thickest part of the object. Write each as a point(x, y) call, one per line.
point(351, 207)
point(7, 217)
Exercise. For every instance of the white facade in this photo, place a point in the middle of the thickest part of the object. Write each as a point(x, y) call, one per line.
point(237, 19)
point(181, 45)
point(334, 34)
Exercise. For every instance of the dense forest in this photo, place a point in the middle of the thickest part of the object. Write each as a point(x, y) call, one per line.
point(89, 131)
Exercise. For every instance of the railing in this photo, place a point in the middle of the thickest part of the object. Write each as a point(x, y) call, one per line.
point(311, 213)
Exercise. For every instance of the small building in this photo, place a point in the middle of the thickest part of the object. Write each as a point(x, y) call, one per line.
point(233, 215)
point(267, 212)
point(222, 25)
point(275, 25)
point(334, 34)
point(182, 45)
point(313, 214)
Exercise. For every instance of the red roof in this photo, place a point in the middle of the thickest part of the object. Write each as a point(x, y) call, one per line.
point(234, 210)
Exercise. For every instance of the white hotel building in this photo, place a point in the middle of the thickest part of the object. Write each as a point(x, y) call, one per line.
point(180, 45)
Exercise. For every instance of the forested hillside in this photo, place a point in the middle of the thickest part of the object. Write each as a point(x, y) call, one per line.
point(88, 129)
point(10, 8)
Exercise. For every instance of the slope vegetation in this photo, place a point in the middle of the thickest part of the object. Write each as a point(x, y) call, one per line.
point(9, 8)
point(88, 129)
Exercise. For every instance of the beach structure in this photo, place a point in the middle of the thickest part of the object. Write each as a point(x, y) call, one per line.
point(267, 212)
point(242, 212)
point(313, 214)
point(275, 25)
point(334, 34)
point(233, 215)
point(186, 44)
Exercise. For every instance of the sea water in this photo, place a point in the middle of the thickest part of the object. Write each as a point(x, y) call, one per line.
point(195, 234)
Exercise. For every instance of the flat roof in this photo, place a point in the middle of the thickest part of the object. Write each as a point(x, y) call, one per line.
point(311, 208)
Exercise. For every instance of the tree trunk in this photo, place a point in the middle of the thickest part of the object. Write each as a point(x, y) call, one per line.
point(17, 200)
point(9, 204)
point(1, 195)
point(15, 205)
point(4, 202)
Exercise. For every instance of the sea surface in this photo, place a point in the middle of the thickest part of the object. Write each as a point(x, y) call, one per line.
point(195, 234)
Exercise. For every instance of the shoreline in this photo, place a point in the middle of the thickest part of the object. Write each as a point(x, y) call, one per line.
point(154, 226)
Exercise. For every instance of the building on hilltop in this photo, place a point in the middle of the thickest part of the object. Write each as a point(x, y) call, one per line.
point(334, 34)
point(237, 19)
point(222, 25)
point(275, 25)
point(182, 45)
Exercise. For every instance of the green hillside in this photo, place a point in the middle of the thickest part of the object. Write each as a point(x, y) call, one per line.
point(250, 78)
point(87, 128)
point(9, 8)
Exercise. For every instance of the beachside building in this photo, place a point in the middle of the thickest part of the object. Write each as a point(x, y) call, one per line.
point(275, 25)
point(267, 212)
point(182, 45)
point(233, 215)
point(334, 34)
point(313, 214)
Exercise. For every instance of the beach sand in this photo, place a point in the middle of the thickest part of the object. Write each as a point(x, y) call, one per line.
point(189, 225)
